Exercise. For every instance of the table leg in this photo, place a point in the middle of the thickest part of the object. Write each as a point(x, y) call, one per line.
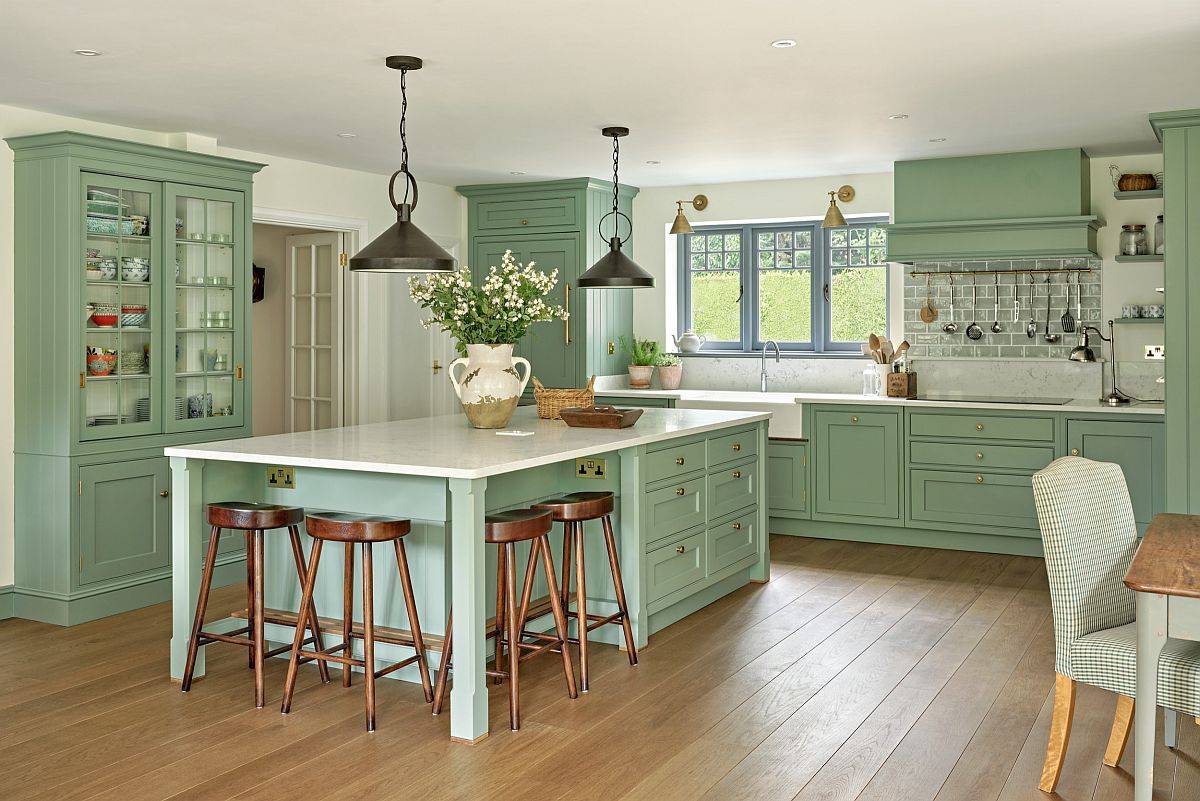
point(1151, 636)
point(468, 696)
point(187, 536)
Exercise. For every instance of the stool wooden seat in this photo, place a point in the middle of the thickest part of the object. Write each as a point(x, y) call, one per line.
point(572, 511)
point(364, 530)
point(505, 530)
point(253, 519)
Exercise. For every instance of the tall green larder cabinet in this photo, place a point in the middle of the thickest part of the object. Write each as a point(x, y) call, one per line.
point(132, 333)
point(555, 223)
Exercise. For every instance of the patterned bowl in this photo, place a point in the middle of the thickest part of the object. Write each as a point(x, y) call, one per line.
point(101, 362)
point(134, 269)
point(134, 320)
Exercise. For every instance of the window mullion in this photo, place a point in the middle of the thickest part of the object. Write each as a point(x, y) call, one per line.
point(750, 291)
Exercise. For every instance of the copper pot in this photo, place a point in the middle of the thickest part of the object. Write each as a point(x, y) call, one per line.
point(1136, 182)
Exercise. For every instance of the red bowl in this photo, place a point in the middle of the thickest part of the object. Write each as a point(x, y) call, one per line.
point(104, 320)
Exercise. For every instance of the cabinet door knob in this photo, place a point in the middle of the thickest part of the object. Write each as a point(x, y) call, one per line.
point(679, 461)
point(979, 455)
point(1074, 451)
point(680, 491)
point(978, 479)
point(680, 549)
point(737, 526)
point(737, 446)
point(524, 222)
point(163, 493)
point(979, 426)
point(737, 473)
point(854, 418)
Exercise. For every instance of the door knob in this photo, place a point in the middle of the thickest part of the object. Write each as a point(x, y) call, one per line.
point(1074, 451)
point(163, 493)
point(680, 549)
point(680, 491)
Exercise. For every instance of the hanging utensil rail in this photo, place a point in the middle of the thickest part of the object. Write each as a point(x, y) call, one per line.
point(1043, 270)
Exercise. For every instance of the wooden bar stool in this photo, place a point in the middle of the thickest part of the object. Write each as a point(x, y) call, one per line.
point(572, 511)
point(364, 530)
point(254, 519)
point(506, 529)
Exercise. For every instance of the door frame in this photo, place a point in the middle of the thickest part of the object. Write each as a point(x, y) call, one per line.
point(337, 392)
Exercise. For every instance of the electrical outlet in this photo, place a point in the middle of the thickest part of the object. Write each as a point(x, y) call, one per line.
point(591, 468)
point(281, 477)
point(1155, 352)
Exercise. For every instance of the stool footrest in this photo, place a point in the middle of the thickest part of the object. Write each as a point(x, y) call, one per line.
point(333, 626)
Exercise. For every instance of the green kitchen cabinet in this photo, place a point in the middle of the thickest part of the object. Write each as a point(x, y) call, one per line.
point(1140, 451)
point(132, 292)
point(972, 499)
point(856, 460)
point(556, 224)
point(787, 477)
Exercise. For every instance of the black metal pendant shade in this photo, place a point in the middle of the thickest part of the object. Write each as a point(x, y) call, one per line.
point(402, 248)
point(615, 270)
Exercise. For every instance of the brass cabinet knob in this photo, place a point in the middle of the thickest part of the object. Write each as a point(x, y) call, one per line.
point(854, 418)
point(737, 473)
point(680, 549)
point(163, 493)
point(679, 461)
point(737, 526)
point(978, 479)
point(979, 455)
point(680, 491)
point(737, 446)
point(979, 426)
point(524, 222)
point(1074, 451)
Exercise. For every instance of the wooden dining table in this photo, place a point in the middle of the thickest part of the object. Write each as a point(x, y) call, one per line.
point(1165, 573)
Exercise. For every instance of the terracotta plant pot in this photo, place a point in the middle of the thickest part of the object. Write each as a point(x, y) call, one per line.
point(669, 375)
point(639, 376)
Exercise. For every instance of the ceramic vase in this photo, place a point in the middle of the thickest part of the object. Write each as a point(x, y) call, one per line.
point(640, 375)
point(669, 375)
point(490, 385)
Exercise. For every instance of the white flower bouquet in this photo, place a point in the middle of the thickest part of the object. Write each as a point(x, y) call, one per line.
point(498, 312)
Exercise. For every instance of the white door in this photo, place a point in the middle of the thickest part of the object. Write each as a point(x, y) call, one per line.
point(314, 329)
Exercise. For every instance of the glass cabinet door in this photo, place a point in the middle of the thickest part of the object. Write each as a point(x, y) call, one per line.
point(119, 275)
point(205, 388)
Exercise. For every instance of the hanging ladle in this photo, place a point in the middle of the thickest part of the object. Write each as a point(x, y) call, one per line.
point(973, 330)
point(1031, 327)
point(1051, 338)
point(996, 329)
point(951, 327)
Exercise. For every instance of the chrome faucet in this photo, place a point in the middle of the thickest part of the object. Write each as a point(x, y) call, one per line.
point(762, 374)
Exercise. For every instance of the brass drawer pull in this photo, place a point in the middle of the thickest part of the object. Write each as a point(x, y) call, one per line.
point(854, 418)
point(524, 222)
point(979, 426)
point(737, 526)
point(978, 479)
point(680, 491)
point(979, 455)
point(567, 309)
point(680, 549)
point(163, 493)
point(737, 473)
point(1074, 451)
point(737, 446)
point(679, 461)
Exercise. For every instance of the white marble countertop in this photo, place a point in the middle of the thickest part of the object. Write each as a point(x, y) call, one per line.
point(448, 447)
point(734, 397)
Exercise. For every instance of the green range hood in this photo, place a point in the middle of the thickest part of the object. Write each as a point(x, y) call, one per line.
point(1035, 204)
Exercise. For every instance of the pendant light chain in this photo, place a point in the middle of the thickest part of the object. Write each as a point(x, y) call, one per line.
point(404, 126)
point(616, 164)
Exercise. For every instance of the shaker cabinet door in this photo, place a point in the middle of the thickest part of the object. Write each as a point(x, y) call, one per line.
point(124, 519)
point(1138, 448)
point(857, 463)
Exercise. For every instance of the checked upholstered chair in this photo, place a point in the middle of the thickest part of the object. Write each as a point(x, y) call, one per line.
point(1089, 538)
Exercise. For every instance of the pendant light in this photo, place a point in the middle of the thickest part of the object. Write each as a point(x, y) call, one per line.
point(681, 225)
point(403, 248)
point(615, 269)
point(833, 217)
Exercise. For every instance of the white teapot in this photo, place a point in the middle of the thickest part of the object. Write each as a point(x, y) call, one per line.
point(689, 342)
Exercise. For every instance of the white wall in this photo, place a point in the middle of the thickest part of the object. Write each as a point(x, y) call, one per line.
point(284, 184)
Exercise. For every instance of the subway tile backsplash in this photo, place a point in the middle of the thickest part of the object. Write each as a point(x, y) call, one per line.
point(930, 341)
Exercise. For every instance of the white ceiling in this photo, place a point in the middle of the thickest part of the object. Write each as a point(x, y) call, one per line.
point(526, 84)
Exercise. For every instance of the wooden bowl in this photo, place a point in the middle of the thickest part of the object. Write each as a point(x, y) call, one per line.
point(1136, 182)
point(600, 417)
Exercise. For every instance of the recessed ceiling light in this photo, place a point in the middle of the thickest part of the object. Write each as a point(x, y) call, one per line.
point(938, 139)
point(515, 172)
point(897, 116)
point(87, 52)
point(347, 135)
point(783, 43)
point(653, 163)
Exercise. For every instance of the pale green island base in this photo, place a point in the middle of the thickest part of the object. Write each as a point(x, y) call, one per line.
point(678, 551)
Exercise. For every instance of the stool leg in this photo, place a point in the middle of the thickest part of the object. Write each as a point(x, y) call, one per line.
point(439, 689)
point(581, 608)
point(610, 542)
point(348, 611)
point(414, 624)
point(514, 635)
point(250, 596)
point(499, 629)
point(210, 559)
point(259, 647)
point(560, 618)
point(310, 583)
point(369, 633)
point(298, 554)
point(568, 555)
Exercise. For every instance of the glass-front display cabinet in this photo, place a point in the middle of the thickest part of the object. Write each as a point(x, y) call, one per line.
point(131, 325)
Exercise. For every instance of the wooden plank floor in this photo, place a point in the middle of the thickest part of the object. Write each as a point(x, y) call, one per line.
point(860, 671)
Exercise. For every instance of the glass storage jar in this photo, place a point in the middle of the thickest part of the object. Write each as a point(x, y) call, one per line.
point(1159, 236)
point(1133, 240)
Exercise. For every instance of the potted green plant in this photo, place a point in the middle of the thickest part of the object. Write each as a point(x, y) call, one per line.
point(642, 355)
point(670, 370)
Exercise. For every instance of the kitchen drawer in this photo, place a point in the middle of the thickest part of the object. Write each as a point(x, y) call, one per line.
point(675, 566)
point(674, 508)
point(980, 426)
point(732, 541)
point(674, 461)
point(981, 455)
point(972, 499)
point(732, 446)
point(732, 487)
point(527, 214)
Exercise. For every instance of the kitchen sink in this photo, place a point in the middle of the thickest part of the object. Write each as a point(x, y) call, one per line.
point(785, 417)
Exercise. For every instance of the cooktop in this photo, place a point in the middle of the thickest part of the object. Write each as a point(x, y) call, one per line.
point(952, 397)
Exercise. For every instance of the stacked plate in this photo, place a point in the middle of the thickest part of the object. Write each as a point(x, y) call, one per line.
point(181, 411)
point(103, 420)
point(133, 362)
point(141, 411)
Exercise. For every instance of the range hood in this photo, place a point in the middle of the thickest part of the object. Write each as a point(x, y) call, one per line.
point(1035, 204)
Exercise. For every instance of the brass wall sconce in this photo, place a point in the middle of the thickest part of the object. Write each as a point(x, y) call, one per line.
point(681, 225)
point(833, 217)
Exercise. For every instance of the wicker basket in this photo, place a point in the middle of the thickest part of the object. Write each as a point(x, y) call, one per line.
point(551, 401)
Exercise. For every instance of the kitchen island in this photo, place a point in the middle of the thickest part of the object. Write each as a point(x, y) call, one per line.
point(691, 517)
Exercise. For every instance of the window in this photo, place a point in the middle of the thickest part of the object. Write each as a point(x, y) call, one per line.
point(806, 287)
